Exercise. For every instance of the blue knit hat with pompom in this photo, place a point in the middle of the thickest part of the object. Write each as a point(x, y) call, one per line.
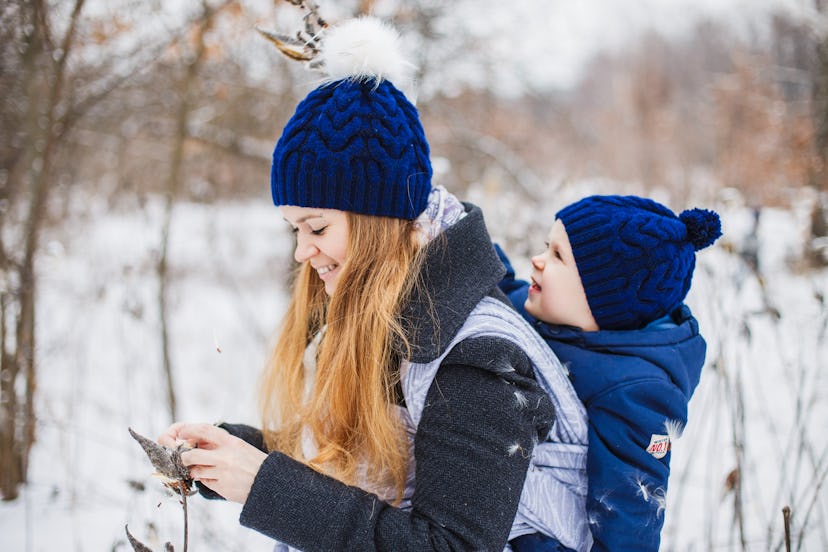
point(635, 257)
point(355, 143)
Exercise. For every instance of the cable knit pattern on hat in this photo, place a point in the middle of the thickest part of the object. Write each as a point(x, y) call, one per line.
point(635, 256)
point(355, 144)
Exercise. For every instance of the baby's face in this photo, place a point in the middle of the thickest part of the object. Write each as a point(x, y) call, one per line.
point(556, 295)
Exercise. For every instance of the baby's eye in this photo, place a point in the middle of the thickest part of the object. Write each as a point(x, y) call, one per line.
point(318, 232)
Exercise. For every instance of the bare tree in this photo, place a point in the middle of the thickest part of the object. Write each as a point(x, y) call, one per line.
point(41, 119)
point(185, 105)
point(46, 91)
point(819, 176)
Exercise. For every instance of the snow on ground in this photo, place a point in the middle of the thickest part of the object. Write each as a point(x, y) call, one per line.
point(101, 370)
point(760, 409)
point(762, 401)
point(761, 404)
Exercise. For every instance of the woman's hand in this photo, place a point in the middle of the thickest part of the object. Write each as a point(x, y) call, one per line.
point(226, 464)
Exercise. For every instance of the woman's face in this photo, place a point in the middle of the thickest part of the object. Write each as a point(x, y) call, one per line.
point(321, 240)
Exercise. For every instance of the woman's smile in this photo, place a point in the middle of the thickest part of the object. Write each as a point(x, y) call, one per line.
point(321, 240)
point(326, 272)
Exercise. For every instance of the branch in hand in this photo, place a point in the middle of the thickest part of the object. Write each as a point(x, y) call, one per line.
point(175, 476)
point(172, 472)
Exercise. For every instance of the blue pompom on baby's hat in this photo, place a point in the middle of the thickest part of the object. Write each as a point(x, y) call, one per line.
point(356, 143)
point(635, 257)
point(703, 227)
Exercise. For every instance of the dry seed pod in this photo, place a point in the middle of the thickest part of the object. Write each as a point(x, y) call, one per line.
point(172, 473)
point(305, 46)
point(138, 546)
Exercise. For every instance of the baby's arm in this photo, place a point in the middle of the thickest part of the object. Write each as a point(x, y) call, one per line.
point(628, 484)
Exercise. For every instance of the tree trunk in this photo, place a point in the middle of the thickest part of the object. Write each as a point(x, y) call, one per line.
point(19, 420)
point(816, 250)
point(172, 190)
point(46, 107)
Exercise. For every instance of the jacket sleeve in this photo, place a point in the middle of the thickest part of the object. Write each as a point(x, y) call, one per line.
point(628, 484)
point(471, 450)
point(250, 434)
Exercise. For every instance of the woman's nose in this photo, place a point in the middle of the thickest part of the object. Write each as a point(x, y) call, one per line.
point(304, 250)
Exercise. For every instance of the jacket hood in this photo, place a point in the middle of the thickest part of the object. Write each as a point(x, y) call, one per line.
point(677, 351)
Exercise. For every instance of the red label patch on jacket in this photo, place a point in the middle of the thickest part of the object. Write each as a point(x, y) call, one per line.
point(659, 445)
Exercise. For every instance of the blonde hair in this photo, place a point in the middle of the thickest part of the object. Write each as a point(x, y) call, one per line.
point(351, 412)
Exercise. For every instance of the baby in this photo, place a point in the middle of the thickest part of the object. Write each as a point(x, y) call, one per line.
point(607, 296)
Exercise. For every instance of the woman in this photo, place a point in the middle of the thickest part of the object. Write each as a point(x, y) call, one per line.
point(403, 400)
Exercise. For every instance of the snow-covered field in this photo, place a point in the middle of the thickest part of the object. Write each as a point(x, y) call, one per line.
point(761, 407)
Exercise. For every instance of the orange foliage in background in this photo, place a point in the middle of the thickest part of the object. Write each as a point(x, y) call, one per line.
point(684, 114)
point(667, 114)
point(764, 142)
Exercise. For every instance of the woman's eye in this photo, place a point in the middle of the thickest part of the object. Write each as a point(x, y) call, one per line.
point(319, 232)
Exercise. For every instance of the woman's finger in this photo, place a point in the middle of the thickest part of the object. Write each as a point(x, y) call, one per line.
point(202, 434)
point(203, 473)
point(170, 436)
point(166, 440)
point(198, 457)
point(211, 484)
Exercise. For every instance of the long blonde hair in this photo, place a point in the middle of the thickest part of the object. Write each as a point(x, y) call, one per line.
point(351, 412)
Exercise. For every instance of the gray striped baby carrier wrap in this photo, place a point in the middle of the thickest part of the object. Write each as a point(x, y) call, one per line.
point(553, 500)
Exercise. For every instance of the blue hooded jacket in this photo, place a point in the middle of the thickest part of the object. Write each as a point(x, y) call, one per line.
point(634, 384)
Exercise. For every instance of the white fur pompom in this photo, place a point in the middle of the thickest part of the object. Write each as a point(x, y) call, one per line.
point(363, 49)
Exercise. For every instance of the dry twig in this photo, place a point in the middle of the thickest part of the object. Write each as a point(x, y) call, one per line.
point(305, 46)
point(173, 474)
point(786, 514)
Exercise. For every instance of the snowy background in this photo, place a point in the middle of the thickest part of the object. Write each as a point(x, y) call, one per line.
point(761, 404)
point(759, 413)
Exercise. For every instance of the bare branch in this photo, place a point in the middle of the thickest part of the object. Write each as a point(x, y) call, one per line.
point(308, 42)
point(168, 463)
point(175, 476)
point(137, 545)
point(292, 48)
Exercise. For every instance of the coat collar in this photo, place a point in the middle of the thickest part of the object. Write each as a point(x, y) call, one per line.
point(460, 268)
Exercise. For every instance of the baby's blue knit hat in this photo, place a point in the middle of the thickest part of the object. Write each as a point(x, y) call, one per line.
point(355, 143)
point(635, 256)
